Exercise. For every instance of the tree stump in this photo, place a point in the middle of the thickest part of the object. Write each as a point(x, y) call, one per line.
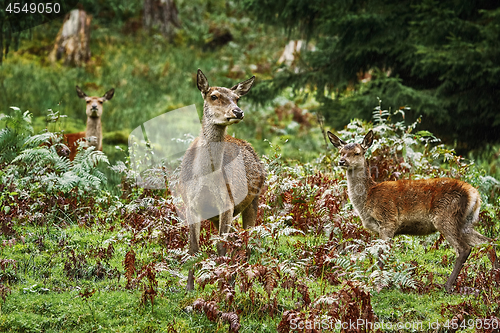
point(162, 14)
point(73, 39)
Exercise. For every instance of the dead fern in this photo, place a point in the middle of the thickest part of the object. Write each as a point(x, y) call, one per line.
point(129, 265)
point(4, 291)
point(211, 310)
point(4, 263)
point(149, 288)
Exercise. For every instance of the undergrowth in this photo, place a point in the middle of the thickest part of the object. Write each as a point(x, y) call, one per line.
point(74, 257)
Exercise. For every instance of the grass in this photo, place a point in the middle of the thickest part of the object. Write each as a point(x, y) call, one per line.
point(53, 292)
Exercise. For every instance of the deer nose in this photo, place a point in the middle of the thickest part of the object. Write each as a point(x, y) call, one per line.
point(238, 113)
point(342, 162)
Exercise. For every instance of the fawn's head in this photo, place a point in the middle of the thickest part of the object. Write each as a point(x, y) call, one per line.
point(352, 155)
point(94, 103)
point(220, 106)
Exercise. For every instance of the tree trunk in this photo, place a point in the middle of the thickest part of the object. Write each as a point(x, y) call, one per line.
point(162, 14)
point(73, 39)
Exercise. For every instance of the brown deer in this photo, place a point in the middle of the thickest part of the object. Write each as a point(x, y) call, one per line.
point(412, 207)
point(93, 132)
point(221, 176)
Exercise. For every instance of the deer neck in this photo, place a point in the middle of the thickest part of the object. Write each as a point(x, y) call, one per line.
point(212, 138)
point(94, 129)
point(359, 182)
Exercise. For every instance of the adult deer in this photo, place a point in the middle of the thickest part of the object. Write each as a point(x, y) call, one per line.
point(221, 176)
point(93, 132)
point(412, 207)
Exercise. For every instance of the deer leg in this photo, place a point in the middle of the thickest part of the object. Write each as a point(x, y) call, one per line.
point(249, 216)
point(225, 219)
point(462, 257)
point(461, 241)
point(190, 281)
point(386, 233)
point(475, 238)
point(194, 247)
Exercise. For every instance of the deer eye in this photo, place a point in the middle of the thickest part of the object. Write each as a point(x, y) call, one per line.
point(357, 154)
point(213, 97)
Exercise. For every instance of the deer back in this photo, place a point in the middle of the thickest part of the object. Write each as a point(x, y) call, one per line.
point(415, 206)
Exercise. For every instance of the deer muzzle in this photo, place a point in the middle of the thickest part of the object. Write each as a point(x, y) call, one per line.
point(93, 111)
point(238, 113)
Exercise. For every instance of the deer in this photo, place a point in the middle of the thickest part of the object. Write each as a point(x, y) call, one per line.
point(219, 173)
point(413, 207)
point(93, 132)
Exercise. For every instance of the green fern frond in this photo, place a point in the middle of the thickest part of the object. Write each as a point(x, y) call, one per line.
point(33, 156)
point(62, 163)
point(36, 140)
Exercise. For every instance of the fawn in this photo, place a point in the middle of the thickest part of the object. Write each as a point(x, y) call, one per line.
point(412, 207)
point(221, 176)
point(93, 132)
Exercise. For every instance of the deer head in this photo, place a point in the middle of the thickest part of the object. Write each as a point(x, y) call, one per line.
point(94, 103)
point(221, 104)
point(352, 155)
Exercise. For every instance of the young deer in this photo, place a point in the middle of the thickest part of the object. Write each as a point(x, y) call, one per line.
point(93, 132)
point(221, 176)
point(412, 207)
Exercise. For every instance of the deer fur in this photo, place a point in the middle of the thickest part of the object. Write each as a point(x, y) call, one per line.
point(412, 207)
point(212, 152)
point(93, 132)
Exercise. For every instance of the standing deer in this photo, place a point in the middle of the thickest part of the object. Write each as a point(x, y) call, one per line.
point(219, 173)
point(93, 132)
point(412, 207)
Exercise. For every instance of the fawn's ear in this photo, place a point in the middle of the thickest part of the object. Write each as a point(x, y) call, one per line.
point(202, 82)
point(80, 92)
point(243, 88)
point(109, 94)
point(368, 140)
point(338, 143)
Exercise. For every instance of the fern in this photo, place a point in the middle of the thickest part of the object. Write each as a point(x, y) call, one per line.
point(271, 231)
point(41, 168)
point(12, 137)
point(37, 140)
point(376, 266)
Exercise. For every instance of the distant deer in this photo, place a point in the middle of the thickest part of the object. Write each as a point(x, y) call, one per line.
point(215, 154)
point(412, 207)
point(93, 132)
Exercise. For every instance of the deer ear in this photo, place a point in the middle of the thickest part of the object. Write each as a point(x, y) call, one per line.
point(243, 87)
point(80, 92)
point(202, 82)
point(109, 94)
point(368, 140)
point(339, 144)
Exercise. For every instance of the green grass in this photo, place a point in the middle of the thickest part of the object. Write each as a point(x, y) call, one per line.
point(43, 298)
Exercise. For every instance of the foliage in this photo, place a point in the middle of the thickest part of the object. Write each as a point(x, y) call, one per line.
point(41, 164)
point(436, 56)
point(17, 129)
